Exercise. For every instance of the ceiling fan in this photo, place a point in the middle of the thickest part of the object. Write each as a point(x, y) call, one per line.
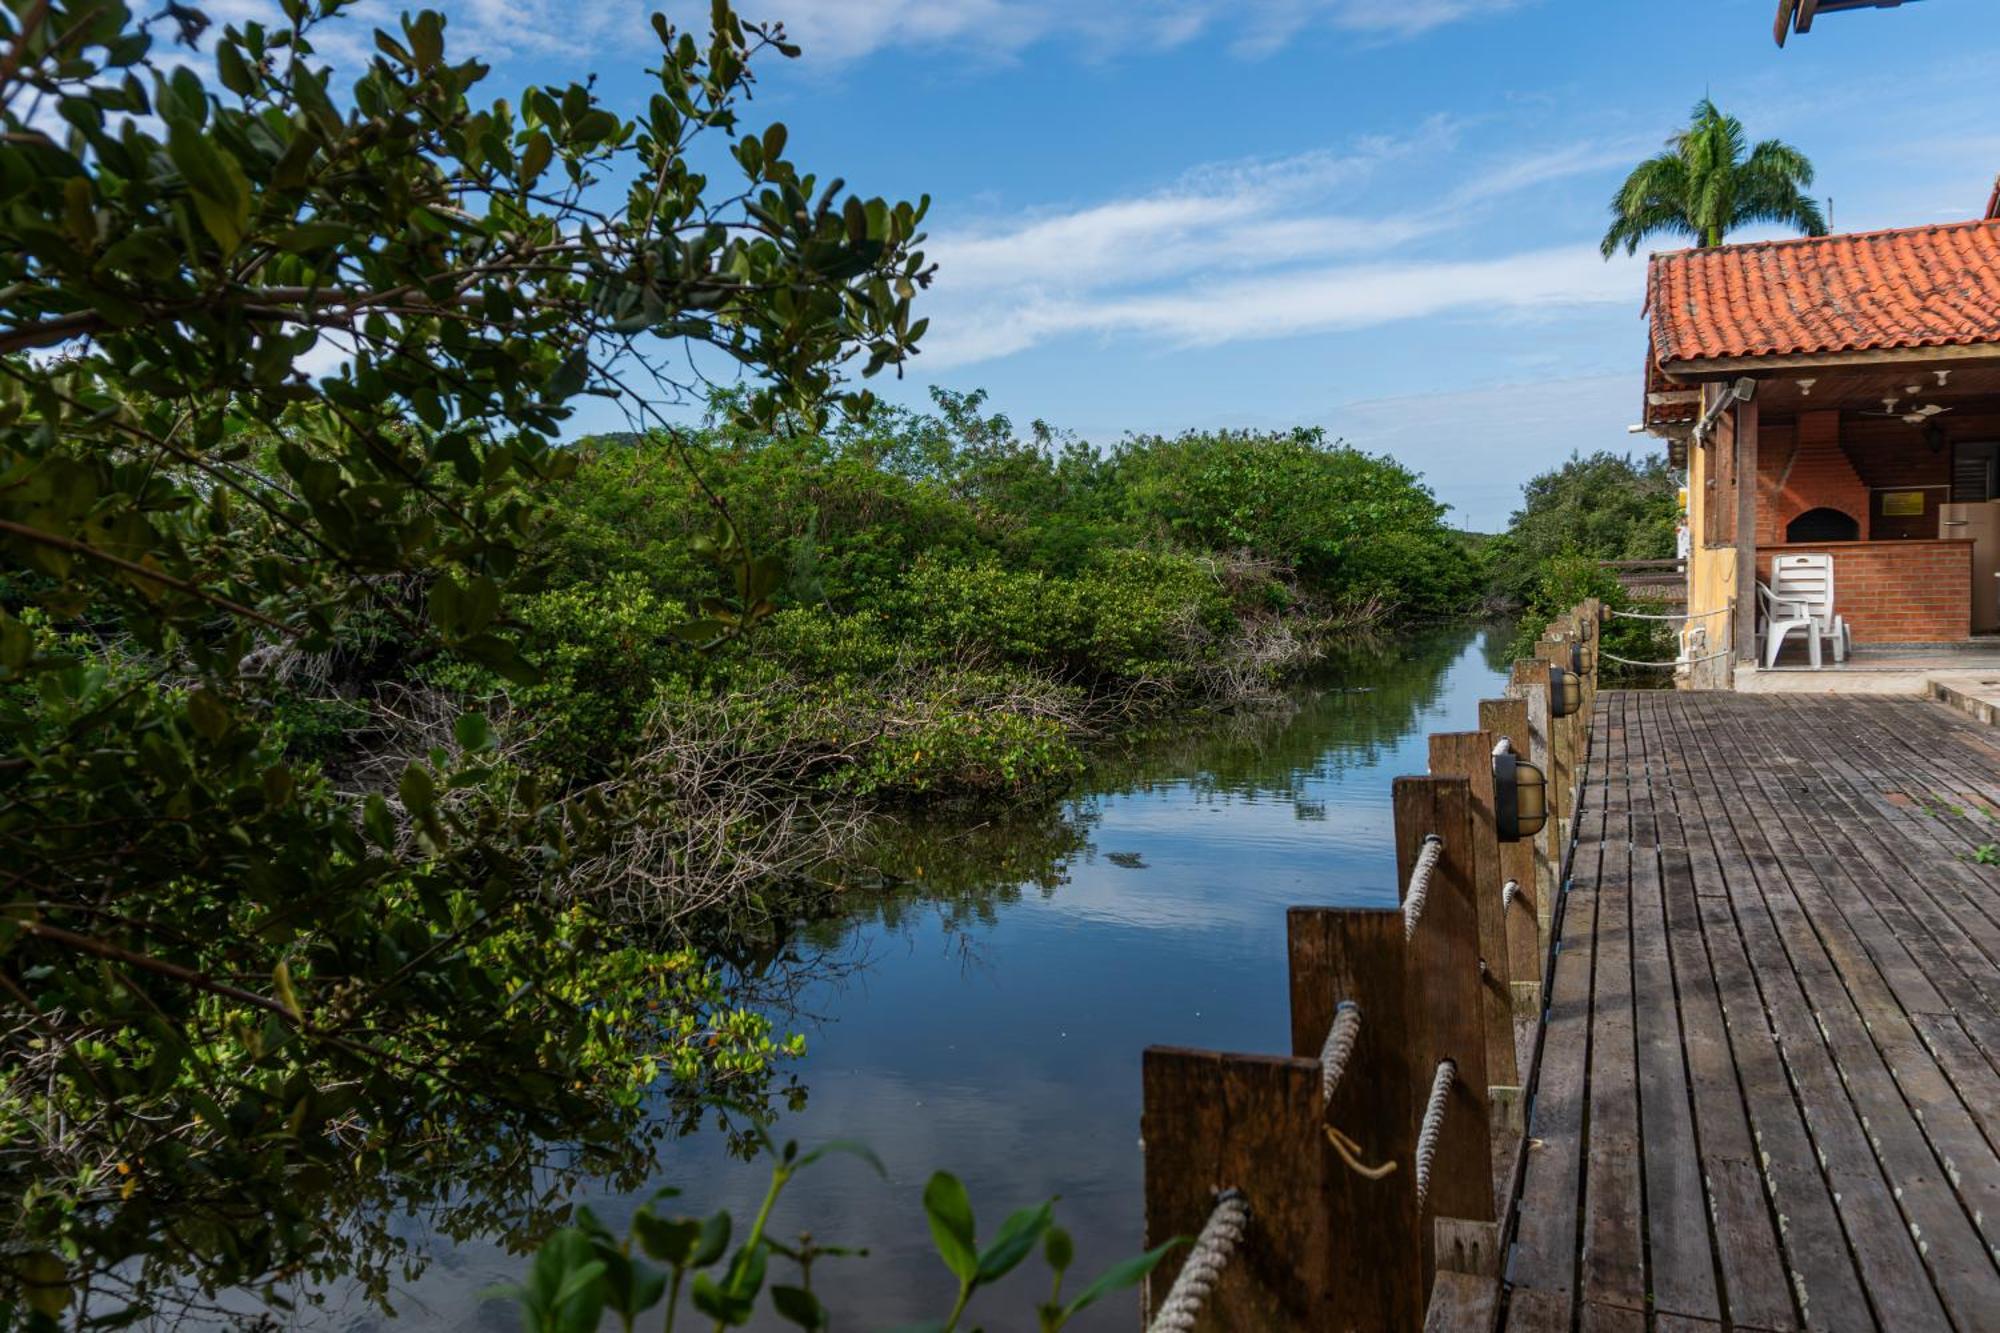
point(1914, 415)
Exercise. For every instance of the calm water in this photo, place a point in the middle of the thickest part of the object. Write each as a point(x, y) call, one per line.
point(990, 1020)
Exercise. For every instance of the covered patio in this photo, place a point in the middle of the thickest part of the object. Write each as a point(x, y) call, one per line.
point(1836, 405)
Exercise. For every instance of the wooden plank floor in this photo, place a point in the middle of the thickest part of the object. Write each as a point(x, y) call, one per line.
point(1769, 1090)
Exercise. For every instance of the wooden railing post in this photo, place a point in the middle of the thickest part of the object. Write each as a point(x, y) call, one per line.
point(1525, 962)
point(1357, 955)
point(1252, 1123)
point(1530, 684)
point(1561, 732)
point(1469, 755)
point(1443, 985)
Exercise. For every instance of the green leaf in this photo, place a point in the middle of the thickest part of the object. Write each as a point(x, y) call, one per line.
point(232, 70)
point(713, 1241)
point(418, 789)
point(379, 822)
point(426, 34)
point(1119, 1276)
point(310, 236)
point(669, 1241)
point(798, 1306)
point(208, 714)
point(221, 192)
point(472, 732)
point(281, 982)
point(1017, 1237)
point(17, 643)
point(570, 376)
point(1059, 1249)
point(851, 1147)
point(719, 1304)
point(949, 1210)
point(746, 1271)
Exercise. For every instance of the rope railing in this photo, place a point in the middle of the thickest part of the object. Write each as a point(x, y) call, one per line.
point(1341, 1035)
point(1677, 662)
point(1683, 615)
point(1420, 883)
point(1505, 745)
point(1427, 1132)
point(1508, 893)
point(1219, 1237)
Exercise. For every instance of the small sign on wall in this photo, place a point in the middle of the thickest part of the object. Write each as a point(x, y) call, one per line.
point(1902, 504)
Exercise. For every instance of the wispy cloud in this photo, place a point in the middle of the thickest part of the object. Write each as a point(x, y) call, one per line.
point(1259, 249)
point(848, 29)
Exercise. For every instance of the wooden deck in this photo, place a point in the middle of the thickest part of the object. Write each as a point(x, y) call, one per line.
point(1769, 1090)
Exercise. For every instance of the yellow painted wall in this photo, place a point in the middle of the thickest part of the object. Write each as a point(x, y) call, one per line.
point(1711, 578)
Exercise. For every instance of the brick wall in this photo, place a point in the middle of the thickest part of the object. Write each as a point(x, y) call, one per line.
point(1897, 592)
point(1803, 467)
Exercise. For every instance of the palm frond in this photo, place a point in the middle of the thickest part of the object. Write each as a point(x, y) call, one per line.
point(1652, 197)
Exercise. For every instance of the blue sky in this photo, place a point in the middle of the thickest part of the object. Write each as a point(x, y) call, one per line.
point(1378, 216)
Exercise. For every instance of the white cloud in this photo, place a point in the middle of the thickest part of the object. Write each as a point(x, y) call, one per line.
point(837, 30)
point(1300, 301)
point(1258, 249)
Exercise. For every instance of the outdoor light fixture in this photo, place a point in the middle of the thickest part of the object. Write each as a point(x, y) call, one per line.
point(1565, 692)
point(1579, 658)
point(1520, 797)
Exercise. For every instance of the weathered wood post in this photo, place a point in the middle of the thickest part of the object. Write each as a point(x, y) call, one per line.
point(1442, 928)
point(1469, 755)
point(1251, 1123)
point(1555, 652)
point(1525, 963)
point(1357, 957)
point(1530, 684)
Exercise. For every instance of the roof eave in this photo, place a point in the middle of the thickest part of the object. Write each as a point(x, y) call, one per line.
point(1696, 369)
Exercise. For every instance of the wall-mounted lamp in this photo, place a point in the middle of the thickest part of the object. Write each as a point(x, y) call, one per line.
point(1565, 692)
point(1579, 658)
point(1520, 797)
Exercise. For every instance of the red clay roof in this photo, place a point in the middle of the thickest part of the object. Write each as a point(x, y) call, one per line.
point(1935, 286)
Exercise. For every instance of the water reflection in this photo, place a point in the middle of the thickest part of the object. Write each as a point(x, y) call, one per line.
point(988, 1014)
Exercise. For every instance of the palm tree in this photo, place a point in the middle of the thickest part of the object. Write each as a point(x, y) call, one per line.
point(1704, 186)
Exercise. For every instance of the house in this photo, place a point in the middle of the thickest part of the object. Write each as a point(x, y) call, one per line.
point(1834, 395)
point(1798, 15)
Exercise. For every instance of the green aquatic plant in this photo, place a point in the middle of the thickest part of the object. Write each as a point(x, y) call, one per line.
point(585, 1272)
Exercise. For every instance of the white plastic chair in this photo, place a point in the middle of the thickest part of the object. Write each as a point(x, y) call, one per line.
point(1805, 581)
point(1780, 619)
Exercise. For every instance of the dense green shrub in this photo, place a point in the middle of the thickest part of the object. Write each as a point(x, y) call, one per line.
point(934, 547)
point(1570, 578)
point(1605, 506)
point(1360, 528)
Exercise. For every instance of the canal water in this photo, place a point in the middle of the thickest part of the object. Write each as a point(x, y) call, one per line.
point(989, 1018)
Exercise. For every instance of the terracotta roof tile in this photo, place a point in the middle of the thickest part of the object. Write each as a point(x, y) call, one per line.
point(1936, 286)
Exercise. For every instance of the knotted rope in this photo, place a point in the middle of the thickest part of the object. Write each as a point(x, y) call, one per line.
point(1420, 883)
point(1508, 893)
point(1339, 1047)
point(1505, 745)
point(1218, 1240)
point(1427, 1133)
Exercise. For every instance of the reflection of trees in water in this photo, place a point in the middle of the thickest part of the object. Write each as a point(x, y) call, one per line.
point(960, 876)
point(1363, 702)
point(1496, 645)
